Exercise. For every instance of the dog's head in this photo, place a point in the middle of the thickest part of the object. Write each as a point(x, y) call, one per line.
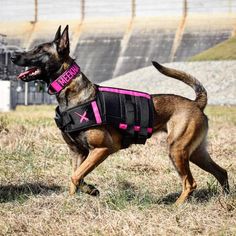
point(45, 59)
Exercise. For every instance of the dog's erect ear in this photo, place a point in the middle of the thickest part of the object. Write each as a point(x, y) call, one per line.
point(58, 34)
point(64, 44)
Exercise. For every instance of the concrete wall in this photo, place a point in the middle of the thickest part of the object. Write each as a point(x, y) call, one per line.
point(98, 48)
point(146, 39)
point(106, 41)
point(201, 33)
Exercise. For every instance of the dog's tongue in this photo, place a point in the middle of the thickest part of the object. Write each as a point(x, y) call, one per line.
point(27, 72)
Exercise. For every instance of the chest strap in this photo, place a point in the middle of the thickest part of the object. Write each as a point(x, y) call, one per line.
point(80, 117)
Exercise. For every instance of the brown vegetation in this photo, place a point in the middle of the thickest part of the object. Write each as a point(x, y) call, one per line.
point(135, 184)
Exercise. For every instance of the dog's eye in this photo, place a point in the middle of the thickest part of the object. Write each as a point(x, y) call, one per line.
point(38, 49)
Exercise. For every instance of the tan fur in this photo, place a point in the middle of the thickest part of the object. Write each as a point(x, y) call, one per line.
point(186, 126)
point(183, 120)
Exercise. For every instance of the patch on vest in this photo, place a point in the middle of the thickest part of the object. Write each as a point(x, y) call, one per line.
point(129, 111)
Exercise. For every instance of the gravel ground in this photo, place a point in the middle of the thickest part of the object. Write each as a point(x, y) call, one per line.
point(218, 77)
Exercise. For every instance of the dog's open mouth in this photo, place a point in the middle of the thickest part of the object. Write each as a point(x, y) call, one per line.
point(29, 74)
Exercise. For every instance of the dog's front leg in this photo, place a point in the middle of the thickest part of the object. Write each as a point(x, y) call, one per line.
point(95, 157)
point(76, 160)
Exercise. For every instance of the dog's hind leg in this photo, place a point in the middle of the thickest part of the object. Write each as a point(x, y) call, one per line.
point(183, 137)
point(180, 159)
point(201, 158)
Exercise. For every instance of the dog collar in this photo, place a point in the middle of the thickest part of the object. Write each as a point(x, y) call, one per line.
point(64, 79)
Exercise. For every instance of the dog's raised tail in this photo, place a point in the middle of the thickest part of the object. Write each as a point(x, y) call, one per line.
point(201, 93)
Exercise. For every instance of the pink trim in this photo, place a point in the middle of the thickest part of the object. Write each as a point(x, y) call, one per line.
point(96, 112)
point(149, 130)
point(123, 126)
point(137, 128)
point(122, 91)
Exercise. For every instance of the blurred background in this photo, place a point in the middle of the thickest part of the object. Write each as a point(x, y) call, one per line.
point(112, 38)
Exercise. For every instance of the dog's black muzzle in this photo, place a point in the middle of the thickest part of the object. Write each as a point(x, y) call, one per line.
point(22, 59)
point(15, 57)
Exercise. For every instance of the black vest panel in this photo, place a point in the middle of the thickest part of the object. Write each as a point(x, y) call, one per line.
point(131, 114)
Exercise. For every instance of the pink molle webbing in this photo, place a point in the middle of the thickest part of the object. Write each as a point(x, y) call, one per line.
point(123, 91)
point(123, 126)
point(96, 112)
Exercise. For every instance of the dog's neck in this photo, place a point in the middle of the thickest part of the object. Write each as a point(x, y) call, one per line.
point(78, 91)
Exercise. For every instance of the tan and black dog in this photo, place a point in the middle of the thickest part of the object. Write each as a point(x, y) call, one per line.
point(183, 119)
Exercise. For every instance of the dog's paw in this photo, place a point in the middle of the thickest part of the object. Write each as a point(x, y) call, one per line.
point(73, 189)
point(89, 189)
point(94, 192)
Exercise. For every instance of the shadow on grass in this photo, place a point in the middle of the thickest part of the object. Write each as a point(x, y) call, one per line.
point(199, 196)
point(128, 194)
point(21, 193)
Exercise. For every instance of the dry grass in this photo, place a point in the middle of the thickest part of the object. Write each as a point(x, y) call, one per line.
point(138, 185)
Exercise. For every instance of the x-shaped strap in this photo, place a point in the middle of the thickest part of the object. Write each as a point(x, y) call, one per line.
point(82, 117)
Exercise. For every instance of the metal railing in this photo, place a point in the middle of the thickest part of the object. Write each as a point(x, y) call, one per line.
point(37, 10)
point(21, 93)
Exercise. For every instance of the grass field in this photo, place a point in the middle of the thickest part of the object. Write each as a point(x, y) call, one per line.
point(223, 51)
point(138, 186)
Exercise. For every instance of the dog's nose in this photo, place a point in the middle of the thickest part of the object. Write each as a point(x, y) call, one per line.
point(15, 56)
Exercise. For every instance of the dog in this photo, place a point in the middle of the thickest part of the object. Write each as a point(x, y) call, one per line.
point(182, 119)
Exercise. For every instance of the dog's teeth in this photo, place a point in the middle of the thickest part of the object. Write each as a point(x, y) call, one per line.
point(36, 72)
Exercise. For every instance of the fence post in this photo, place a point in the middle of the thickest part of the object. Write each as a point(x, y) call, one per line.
point(26, 93)
point(179, 31)
point(133, 8)
point(185, 8)
point(35, 11)
point(82, 9)
point(230, 6)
